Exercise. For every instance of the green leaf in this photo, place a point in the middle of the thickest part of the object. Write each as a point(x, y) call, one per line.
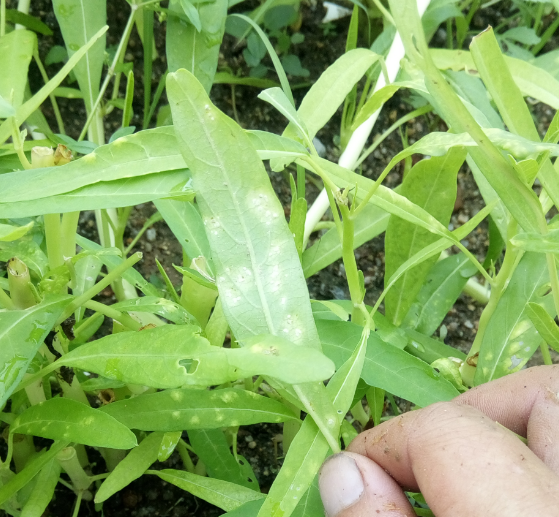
point(532, 80)
point(369, 223)
point(86, 271)
point(110, 194)
point(225, 495)
point(274, 57)
point(510, 339)
point(429, 349)
point(384, 198)
point(386, 366)
point(332, 87)
point(121, 132)
point(166, 308)
point(213, 450)
point(168, 444)
point(16, 51)
point(28, 251)
point(249, 509)
point(221, 159)
point(29, 107)
point(517, 197)
point(544, 324)
point(185, 222)
point(21, 335)
point(524, 35)
point(507, 96)
point(21, 18)
point(111, 261)
point(43, 491)
point(309, 448)
point(197, 48)
point(79, 20)
point(441, 289)
point(146, 152)
point(227, 78)
point(31, 469)
point(271, 146)
point(176, 410)
point(310, 504)
point(277, 98)
point(247, 243)
point(12, 233)
point(374, 103)
point(192, 14)
point(430, 184)
point(70, 420)
point(548, 243)
point(138, 460)
point(153, 358)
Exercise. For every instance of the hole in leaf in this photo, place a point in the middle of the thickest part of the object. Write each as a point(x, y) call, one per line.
point(191, 365)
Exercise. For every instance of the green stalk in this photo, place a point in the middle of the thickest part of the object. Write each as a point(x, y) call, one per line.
point(19, 281)
point(545, 353)
point(24, 450)
point(110, 71)
point(18, 144)
point(68, 230)
point(35, 392)
point(2, 17)
point(54, 240)
point(546, 36)
point(359, 413)
point(52, 97)
point(106, 310)
point(512, 257)
point(68, 460)
point(99, 286)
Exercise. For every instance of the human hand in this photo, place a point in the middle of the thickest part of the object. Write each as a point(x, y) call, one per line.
point(462, 461)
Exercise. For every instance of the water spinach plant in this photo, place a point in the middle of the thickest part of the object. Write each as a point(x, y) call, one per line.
point(240, 342)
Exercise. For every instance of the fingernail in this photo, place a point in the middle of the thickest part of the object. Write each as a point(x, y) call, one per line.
point(340, 483)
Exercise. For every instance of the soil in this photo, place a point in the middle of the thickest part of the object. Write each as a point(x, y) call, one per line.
point(150, 496)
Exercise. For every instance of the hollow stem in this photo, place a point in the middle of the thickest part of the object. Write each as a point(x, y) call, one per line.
point(54, 240)
point(68, 460)
point(19, 282)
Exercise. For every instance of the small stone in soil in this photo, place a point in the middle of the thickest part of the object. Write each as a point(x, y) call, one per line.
point(151, 234)
point(468, 324)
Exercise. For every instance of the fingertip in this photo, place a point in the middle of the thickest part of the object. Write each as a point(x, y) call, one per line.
point(352, 485)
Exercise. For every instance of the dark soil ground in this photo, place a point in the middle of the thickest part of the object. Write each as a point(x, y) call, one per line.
point(150, 496)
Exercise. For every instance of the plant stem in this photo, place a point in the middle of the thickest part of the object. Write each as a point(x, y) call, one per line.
point(185, 456)
point(99, 286)
point(19, 281)
point(545, 353)
point(52, 97)
point(78, 504)
point(110, 71)
point(54, 241)
point(2, 17)
point(68, 460)
point(68, 230)
point(510, 262)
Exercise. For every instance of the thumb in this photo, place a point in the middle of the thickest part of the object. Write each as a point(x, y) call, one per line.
point(352, 485)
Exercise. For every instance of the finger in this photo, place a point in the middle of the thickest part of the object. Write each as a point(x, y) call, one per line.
point(527, 403)
point(352, 485)
point(462, 461)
